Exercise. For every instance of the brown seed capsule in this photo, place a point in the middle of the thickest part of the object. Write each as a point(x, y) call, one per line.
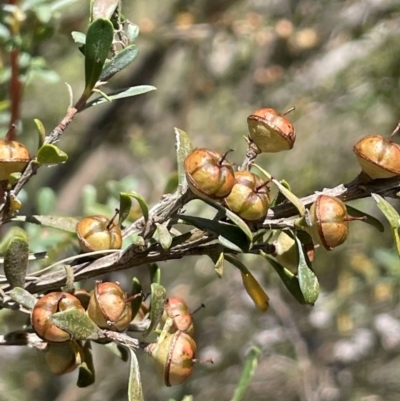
point(271, 131)
point(249, 198)
point(98, 233)
point(378, 157)
point(330, 220)
point(177, 309)
point(209, 174)
point(108, 307)
point(174, 357)
point(47, 305)
point(14, 157)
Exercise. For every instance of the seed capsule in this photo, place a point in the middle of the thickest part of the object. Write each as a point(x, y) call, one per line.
point(271, 131)
point(209, 174)
point(378, 157)
point(249, 198)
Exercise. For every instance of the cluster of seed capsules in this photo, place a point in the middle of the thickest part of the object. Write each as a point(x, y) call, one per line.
point(109, 307)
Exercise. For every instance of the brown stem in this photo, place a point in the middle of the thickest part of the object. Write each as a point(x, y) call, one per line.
point(10, 136)
point(224, 156)
point(289, 111)
point(15, 91)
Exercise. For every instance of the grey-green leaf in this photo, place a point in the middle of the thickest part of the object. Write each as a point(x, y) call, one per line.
point(247, 373)
point(135, 392)
point(158, 298)
point(183, 148)
point(308, 281)
point(16, 261)
point(121, 94)
point(23, 297)
point(120, 61)
point(77, 323)
point(60, 222)
point(98, 43)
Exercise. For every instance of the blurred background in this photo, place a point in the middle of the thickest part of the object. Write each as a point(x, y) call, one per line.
point(214, 62)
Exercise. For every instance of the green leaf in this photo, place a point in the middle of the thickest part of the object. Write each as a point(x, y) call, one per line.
point(120, 61)
point(163, 236)
point(136, 302)
point(59, 222)
point(77, 323)
point(9, 235)
point(308, 281)
point(98, 43)
point(372, 221)
point(158, 298)
point(86, 375)
point(135, 392)
point(126, 204)
point(41, 131)
point(118, 350)
point(288, 278)
point(46, 200)
point(228, 244)
point(183, 148)
point(51, 154)
point(121, 94)
point(231, 216)
point(227, 231)
point(251, 285)
point(16, 261)
point(247, 373)
point(23, 297)
point(391, 215)
point(102, 8)
point(155, 273)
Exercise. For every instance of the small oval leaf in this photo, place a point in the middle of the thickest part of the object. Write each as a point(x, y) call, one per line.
point(23, 297)
point(16, 261)
point(51, 154)
point(77, 323)
point(121, 94)
point(158, 298)
point(308, 281)
point(98, 43)
point(120, 61)
point(59, 222)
